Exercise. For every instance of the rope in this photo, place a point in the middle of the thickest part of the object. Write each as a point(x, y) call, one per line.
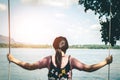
point(9, 67)
point(109, 40)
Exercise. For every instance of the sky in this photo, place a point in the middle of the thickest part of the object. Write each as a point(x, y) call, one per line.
point(41, 21)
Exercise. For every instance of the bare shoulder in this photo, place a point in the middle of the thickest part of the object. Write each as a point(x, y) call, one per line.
point(44, 62)
point(73, 59)
point(75, 63)
point(47, 59)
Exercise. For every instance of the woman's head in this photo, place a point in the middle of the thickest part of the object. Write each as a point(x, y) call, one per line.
point(61, 43)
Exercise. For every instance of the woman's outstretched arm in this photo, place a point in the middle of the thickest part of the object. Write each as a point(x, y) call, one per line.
point(90, 68)
point(43, 63)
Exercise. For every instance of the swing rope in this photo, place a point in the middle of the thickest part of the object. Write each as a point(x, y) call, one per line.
point(109, 39)
point(9, 67)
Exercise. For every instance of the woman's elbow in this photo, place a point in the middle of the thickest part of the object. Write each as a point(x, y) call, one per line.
point(89, 69)
point(28, 66)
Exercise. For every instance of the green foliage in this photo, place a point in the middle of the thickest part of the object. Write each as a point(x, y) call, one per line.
point(94, 47)
point(2, 45)
point(102, 7)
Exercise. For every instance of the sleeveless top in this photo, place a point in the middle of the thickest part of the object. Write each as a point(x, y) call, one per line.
point(64, 73)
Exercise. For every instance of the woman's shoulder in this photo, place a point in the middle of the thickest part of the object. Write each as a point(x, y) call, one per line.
point(48, 57)
point(73, 59)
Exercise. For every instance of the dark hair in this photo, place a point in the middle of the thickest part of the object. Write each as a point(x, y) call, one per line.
point(60, 44)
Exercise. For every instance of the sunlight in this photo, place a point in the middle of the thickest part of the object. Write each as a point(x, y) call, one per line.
point(29, 26)
point(3, 7)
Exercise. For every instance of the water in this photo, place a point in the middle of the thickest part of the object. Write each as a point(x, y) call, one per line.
point(88, 56)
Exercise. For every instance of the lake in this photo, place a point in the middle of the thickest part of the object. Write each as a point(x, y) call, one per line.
point(88, 56)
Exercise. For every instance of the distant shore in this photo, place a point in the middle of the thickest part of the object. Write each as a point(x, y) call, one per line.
point(91, 46)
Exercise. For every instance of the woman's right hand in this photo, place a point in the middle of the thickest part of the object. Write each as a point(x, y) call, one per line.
point(10, 57)
point(109, 59)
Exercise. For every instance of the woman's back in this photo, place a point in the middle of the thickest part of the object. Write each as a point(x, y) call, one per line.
point(63, 73)
point(65, 59)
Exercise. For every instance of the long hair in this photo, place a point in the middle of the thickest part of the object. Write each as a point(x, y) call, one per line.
point(60, 44)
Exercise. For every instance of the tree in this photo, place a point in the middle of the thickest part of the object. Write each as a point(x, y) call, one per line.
point(107, 16)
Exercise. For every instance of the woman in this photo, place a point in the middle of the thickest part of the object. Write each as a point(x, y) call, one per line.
point(60, 65)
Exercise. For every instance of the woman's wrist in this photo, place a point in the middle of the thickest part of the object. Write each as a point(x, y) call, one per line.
point(106, 62)
point(12, 60)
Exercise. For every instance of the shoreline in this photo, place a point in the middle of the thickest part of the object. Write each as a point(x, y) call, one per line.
point(90, 46)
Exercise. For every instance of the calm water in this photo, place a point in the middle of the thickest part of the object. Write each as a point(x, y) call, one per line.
point(88, 56)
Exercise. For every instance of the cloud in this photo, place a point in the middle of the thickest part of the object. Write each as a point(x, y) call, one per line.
point(95, 27)
point(3, 7)
point(59, 15)
point(30, 2)
point(60, 3)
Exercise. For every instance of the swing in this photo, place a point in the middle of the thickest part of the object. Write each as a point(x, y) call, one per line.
point(9, 33)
